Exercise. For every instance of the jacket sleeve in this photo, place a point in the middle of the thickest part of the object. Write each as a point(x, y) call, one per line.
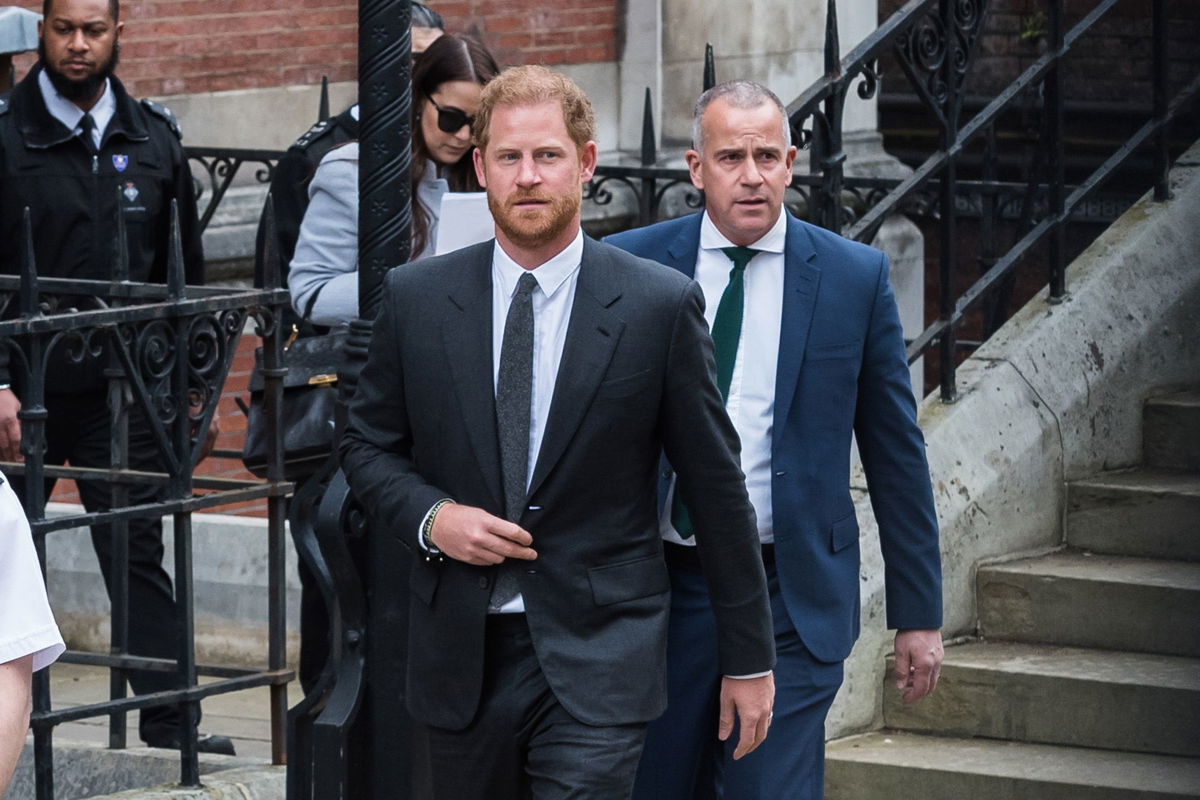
point(702, 446)
point(377, 446)
point(892, 448)
point(323, 277)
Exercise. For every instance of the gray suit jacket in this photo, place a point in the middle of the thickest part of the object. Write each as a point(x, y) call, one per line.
point(635, 380)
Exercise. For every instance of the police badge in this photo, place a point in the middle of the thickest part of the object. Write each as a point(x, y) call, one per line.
point(120, 162)
point(130, 191)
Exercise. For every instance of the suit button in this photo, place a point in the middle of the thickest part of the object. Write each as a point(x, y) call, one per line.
point(483, 583)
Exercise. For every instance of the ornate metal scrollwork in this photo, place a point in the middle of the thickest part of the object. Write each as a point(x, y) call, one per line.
point(923, 49)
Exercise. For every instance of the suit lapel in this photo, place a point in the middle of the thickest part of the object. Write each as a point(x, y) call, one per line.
point(467, 337)
point(683, 249)
point(592, 336)
point(801, 280)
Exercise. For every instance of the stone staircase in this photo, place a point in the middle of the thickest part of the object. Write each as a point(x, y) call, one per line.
point(1086, 685)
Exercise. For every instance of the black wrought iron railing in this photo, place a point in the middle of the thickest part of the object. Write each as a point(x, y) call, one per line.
point(166, 351)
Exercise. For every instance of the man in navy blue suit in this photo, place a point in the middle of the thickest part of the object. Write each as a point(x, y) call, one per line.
point(808, 352)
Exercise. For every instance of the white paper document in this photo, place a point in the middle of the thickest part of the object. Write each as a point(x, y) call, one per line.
point(465, 220)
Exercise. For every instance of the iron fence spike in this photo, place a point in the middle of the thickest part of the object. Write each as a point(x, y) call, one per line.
point(29, 278)
point(121, 266)
point(710, 68)
point(649, 150)
point(323, 105)
point(833, 55)
point(176, 285)
point(272, 267)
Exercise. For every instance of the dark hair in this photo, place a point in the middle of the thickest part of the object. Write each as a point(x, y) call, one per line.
point(449, 58)
point(422, 16)
point(114, 9)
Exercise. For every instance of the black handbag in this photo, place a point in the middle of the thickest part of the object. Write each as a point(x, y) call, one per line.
point(306, 415)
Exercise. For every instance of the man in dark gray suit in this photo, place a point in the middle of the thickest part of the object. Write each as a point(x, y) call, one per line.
point(508, 426)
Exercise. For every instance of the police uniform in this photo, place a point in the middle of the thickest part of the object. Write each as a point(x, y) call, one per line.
point(73, 188)
point(289, 187)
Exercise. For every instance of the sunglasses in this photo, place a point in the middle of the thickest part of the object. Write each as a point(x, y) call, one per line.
point(451, 119)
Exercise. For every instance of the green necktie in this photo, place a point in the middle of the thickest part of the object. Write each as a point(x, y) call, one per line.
point(726, 331)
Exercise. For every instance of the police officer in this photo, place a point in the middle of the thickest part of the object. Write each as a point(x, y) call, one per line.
point(73, 146)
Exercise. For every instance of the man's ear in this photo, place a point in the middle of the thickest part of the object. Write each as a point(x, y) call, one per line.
point(587, 162)
point(693, 162)
point(477, 158)
point(791, 157)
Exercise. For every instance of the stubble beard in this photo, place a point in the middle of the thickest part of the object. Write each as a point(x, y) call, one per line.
point(533, 230)
point(86, 88)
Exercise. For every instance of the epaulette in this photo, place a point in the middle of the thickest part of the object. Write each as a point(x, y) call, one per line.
point(165, 114)
point(4, 104)
point(312, 134)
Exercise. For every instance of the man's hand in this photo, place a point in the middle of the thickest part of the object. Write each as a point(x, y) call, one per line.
point(749, 700)
point(210, 438)
point(470, 534)
point(10, 426)
point(918, 663)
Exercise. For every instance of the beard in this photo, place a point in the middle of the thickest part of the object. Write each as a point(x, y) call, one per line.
point(86, 88)
point(529, 229)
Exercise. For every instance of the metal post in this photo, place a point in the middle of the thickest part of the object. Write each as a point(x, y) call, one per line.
point(1053, 104)
point(181, 487)
point(1162, 189)
point(948, 240)
point(833, 158)
point(33, 447)
point(118, 498)
point(647, 207)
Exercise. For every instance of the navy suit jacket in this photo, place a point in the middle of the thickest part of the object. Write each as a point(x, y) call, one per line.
point(841, 371)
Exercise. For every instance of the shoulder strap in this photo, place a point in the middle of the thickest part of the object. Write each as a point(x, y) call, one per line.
point(163, 113)
point(313, 134)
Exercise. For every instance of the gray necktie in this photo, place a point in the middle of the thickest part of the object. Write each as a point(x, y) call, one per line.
point(514, 392)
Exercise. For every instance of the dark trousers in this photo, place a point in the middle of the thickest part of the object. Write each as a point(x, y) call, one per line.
point(683, 759)
point(523, 744)
point(77, 430)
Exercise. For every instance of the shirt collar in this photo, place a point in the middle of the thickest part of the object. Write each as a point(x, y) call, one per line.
point(551, 275)
point(70, 114)
point(771, 242)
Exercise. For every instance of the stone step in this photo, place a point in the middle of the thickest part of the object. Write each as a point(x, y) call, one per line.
point(1079, 599)
point(887, 765)
point(1060, 695)
point(1146, 512)
point(1171, 430)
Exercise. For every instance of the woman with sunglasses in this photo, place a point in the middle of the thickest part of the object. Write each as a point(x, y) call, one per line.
point(446, 83)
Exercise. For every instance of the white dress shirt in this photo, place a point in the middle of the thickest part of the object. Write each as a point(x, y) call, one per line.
point(70, 114)
point(552, 304)
point(751, 400)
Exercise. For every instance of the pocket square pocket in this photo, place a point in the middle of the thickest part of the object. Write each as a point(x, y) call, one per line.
point(840, 350)
point(624, 386)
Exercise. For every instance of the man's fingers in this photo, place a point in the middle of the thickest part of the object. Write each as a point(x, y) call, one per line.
point(725, 721)
point(752, 732)
point(901, 672)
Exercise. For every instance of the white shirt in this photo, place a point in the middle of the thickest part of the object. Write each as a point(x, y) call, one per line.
point(552, 304)
point(26, 623)
point(751, 400)
point(70, 114)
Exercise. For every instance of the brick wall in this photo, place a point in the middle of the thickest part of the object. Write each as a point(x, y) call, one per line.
point(1110, 63)
point(193, 46)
